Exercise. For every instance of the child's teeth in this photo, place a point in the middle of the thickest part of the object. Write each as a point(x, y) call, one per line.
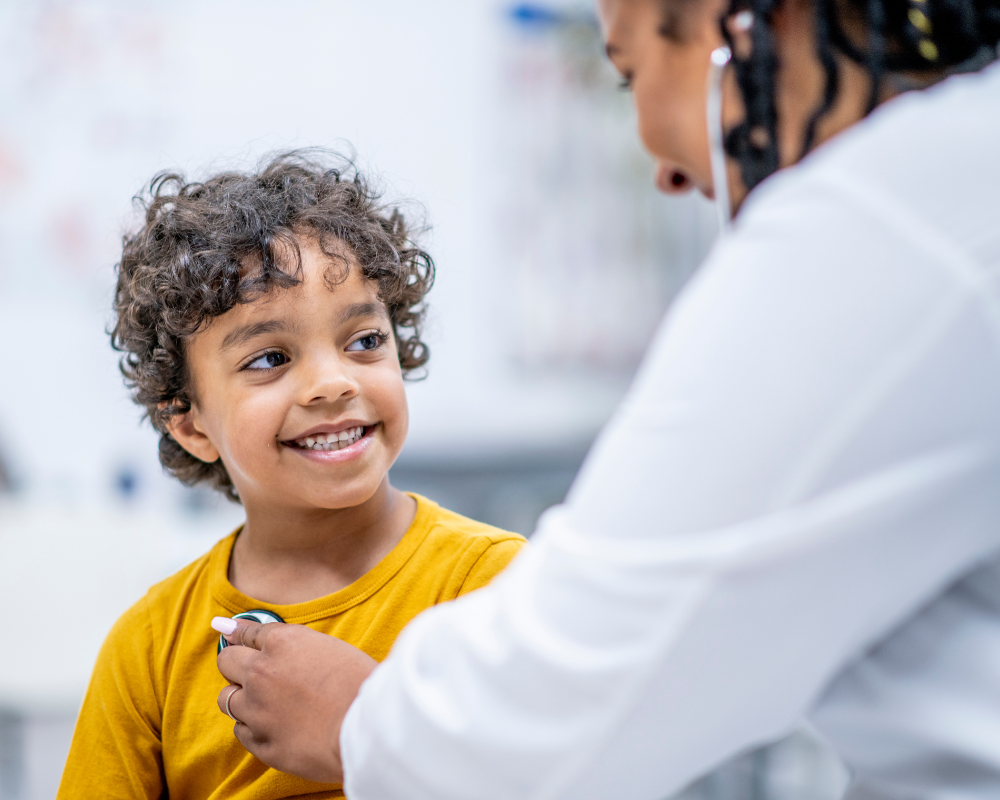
point(332, 441)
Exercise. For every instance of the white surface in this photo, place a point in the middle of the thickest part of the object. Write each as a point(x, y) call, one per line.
point(66, 574)
point(810, 453)
point(46, 745)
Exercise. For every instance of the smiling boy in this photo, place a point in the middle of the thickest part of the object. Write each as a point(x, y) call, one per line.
point(267, 321)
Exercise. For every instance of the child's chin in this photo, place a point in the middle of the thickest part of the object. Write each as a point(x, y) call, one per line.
point(336, 493)
point(332, 501)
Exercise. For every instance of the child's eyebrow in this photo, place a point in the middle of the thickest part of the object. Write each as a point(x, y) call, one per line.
point(246, 332)
point(356, 310)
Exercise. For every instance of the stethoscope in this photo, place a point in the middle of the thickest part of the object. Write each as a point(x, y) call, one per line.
point(713, 107)
point(257, 615)
point(719, 58)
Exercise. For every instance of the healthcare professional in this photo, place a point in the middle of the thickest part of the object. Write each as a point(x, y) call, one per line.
point(795, 514)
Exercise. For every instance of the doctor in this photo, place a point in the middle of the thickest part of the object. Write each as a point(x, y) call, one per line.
point(795, 514)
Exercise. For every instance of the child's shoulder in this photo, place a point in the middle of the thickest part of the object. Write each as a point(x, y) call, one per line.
point(479, 551)
point(448, 523)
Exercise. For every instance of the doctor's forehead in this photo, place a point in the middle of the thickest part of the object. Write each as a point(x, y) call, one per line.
point(621, 20)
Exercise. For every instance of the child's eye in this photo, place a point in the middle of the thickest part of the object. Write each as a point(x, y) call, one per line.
point(370, 341)
point(625, 84)
point(270, 360)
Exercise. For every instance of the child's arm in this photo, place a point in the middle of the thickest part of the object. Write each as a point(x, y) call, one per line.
point(116, 749)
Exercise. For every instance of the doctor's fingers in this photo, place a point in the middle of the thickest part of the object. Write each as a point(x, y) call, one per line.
point(226, 701)
point(240, 664)
point(252, 634)
point(256, 744)
point(255, 739)
point(244, 709)
point(293, 760)
point(285, 740)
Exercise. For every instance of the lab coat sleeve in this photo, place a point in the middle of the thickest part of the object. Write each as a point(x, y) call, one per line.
point(808, 453)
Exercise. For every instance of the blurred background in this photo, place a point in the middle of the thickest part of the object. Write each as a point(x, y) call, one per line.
point(500, 125)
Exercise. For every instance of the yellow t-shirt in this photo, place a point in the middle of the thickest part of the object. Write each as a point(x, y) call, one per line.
point(150, 727)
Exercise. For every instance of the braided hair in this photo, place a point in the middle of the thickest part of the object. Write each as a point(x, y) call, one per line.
point(918, 36)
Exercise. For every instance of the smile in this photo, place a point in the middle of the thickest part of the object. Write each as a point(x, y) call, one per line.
point(331, 441)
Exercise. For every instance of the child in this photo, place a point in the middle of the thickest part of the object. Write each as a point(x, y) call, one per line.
point(267, 322)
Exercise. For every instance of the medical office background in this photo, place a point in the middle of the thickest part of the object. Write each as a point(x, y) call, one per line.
point(500, 126)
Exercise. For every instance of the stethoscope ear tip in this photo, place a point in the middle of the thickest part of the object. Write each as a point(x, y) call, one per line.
point(721, 55)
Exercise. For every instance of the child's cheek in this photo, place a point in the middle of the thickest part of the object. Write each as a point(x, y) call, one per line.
point(395, 412)
point(252, 431)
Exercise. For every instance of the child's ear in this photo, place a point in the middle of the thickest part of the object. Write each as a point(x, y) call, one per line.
point(187, 432)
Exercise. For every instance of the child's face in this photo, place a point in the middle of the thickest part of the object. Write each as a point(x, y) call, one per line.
point(300, 392)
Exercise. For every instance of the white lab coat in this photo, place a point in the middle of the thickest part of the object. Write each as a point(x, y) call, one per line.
point(772, 526)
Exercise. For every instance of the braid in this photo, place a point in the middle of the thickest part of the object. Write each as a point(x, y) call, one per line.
point(918, 36)
point(754, 142)
point(875, 60)
point(824, 12)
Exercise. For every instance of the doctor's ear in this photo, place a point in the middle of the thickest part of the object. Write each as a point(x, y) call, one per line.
point(186, 430)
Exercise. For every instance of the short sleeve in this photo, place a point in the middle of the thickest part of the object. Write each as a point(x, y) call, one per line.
point(116, 750)
point(492, 562)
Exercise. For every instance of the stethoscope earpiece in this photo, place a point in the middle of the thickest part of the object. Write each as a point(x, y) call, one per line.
point(257, 615)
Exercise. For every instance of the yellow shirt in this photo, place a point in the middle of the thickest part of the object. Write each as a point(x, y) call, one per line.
point(150, 727)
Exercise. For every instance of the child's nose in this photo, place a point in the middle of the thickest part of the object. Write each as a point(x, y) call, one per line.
point(326, 380)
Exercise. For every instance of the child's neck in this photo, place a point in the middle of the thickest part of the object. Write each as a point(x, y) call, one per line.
point(282, 556)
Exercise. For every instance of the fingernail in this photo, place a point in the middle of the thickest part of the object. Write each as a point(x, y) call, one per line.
point(224, 625)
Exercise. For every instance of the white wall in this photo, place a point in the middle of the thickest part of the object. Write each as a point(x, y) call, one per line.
point(97, 96)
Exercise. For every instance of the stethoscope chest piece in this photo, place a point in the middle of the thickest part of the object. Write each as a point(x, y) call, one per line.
point(257, 615)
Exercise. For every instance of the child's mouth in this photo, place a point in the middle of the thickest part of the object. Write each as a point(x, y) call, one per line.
point(331, 441)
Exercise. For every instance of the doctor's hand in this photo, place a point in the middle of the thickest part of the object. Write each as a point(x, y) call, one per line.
point(290, 687)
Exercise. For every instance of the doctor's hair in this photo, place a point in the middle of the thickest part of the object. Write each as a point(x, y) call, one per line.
point(923, 37)
point(205, 247)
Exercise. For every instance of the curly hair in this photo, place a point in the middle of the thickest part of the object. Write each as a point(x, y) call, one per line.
point(189, 262)
point(928, 37)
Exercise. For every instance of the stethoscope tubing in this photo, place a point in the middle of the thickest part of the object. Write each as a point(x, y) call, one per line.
point(713, 108)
